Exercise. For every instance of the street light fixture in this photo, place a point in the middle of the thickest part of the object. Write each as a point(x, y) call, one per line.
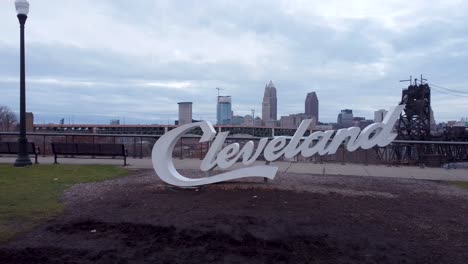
point(22, 8)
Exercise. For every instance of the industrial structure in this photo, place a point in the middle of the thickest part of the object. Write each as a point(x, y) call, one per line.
point(415, 120)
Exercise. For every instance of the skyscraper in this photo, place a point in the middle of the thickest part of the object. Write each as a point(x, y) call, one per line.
point(224, 110)
point(312, 106)
point(269, 104)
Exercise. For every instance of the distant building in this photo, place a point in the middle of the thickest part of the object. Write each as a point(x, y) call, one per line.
point(293, 121)
point(323, 127)
point(185, 113)
point(237, 120)
point(312, 106)
point(451, 123)
point(345, 118)
point(115, 122)
point(247, 121)
point(29, 122)
point(432, 121)
point(269, 104)
point(224, 110)
point(379, 115)
point(271, 123)
point(357, 120)
point(364, 123)
point(258, 121)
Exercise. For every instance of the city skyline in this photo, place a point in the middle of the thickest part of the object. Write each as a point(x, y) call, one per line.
point(143, 63)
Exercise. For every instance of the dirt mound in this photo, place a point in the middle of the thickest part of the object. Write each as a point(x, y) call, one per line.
point(141, 243)
point(328, 220)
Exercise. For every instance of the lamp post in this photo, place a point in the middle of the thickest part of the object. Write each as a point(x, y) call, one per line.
point(22, 8)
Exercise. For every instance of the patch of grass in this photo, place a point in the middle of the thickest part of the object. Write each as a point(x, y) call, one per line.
point(463, 185)
point(30, 196)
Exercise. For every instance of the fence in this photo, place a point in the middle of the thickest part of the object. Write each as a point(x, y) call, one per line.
point(421, 153)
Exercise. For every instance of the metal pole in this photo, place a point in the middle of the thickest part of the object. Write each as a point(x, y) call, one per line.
point(23, 157)
point(141, 147)
point(342, 155)
point(134, 148)
point(44, 146)
point(201, 150)
point(181, 149)
point(366, 163)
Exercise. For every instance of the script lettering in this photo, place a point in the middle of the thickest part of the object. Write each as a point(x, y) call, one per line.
point(321, 143)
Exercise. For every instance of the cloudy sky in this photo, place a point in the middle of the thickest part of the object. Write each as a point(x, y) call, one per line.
point(91, 61)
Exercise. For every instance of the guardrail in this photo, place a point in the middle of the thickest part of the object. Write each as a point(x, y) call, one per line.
point(399, 152)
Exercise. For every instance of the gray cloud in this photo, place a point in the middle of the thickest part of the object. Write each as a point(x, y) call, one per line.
point(97, 60)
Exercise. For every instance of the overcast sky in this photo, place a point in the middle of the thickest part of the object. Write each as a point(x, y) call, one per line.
point(91, 61)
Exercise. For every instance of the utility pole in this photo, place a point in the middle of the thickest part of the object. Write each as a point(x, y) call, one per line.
point(422, 79)
point(410, 80)
point(253, 116)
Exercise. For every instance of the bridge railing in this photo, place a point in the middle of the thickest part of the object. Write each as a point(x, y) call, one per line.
point(399, 152)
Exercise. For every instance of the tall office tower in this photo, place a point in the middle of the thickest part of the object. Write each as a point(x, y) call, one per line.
point(312, 106)
point(379, 115)
point(269, 104)
point(224, 110)
point(185, 113)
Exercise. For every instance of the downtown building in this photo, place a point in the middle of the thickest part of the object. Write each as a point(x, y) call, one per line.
point(269, 105)
point(224, 110)
point(185, 113)
point(379, 115)
point(345, 118)
point(293, 121)
point(312, 107)
point(311, 111)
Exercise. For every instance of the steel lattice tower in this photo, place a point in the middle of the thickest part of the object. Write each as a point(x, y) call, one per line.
point(414, 123)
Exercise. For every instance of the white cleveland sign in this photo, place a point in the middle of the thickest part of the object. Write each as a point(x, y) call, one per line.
point(377, 134)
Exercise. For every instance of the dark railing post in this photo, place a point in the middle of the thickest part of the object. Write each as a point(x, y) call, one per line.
point(44, 146)
point(201, 151)
point(141, 147)
point(342, 155)
point(181, 149)
point(134, 148)
point(73, 142)
point(94, 145)
point(366, 160)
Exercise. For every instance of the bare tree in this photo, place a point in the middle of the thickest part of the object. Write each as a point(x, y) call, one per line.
point(7, 119)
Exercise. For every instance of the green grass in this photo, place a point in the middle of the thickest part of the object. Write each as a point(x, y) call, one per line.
point(29, 196)
point(463, 185)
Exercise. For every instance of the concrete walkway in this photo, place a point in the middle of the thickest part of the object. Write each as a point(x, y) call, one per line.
point(304, 168)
